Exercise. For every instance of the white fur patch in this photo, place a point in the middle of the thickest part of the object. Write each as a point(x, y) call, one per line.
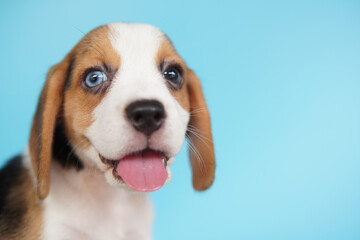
point(82, 205)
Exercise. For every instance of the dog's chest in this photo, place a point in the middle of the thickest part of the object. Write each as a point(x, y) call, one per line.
point(81, 205)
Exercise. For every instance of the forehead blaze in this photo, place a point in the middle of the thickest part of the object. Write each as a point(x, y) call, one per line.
point(94, 50)
point(167, 53)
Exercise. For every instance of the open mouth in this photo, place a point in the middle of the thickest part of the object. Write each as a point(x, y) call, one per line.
point(143, 171)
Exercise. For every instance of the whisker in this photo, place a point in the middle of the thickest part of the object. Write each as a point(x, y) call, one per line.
point(83, 33)
point(197, 132)
point(199, 110)
point(200, 138)
point(196, 154)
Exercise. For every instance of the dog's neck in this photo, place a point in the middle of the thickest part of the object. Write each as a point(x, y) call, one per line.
point(83, 200)
point(80, 200)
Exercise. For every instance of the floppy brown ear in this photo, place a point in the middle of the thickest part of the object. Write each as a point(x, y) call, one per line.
point(201, 146)
point(43, 126)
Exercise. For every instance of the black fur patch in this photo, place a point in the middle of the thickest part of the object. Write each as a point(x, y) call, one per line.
point(62, 150)
point(12, 209)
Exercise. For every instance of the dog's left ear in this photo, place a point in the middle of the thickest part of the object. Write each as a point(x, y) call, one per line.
point(201, 147)
point(43, 126)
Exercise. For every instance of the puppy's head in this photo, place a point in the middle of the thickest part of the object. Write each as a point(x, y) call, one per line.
point(124, 101)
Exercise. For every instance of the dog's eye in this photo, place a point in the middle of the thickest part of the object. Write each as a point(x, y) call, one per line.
point(173, 75)
point(95, 78)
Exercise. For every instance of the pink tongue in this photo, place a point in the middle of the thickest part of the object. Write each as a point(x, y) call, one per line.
point(143, 172)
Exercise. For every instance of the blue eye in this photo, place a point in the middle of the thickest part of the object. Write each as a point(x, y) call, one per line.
point(95, 78)
point(172, 74)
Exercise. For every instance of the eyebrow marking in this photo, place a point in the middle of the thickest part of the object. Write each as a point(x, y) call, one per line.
point(109, 69)
point(165, 64)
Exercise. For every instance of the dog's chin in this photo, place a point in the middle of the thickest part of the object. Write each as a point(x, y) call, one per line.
point(141, 171)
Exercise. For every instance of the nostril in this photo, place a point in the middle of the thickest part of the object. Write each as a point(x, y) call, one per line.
point(137, 117)
point(158, 117)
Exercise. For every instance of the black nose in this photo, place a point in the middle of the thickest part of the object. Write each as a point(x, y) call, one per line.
point(146, 116)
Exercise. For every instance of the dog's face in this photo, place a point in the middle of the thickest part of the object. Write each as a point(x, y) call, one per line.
point(125, 100)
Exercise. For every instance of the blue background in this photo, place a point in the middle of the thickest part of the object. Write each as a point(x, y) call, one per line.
point(282, 82)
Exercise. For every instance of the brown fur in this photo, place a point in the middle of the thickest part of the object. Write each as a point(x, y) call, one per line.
point(191, 98)
point(20, 215)
point(167, 53)
point(41, 137)
point(95, 49)
point(74, 107)
point(202, 162)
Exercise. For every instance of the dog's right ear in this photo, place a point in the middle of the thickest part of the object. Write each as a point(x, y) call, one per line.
point(43, 126)
point(202, 155)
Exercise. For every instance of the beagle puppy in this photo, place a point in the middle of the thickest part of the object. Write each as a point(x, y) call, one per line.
point(111, 117)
